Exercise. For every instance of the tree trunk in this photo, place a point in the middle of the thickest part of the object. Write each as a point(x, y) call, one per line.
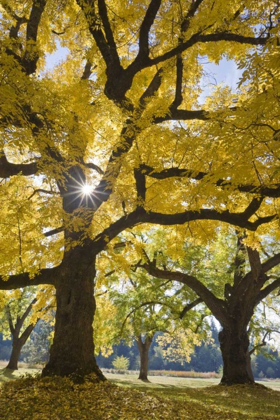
point(144, 348)
point(16, 349)
point(72, 351)
point(236, 357)
point(18, 342)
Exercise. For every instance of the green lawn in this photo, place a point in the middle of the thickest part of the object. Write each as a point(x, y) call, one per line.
point(126, 398)
point(253, 402)
point(7, 375)
point(169, 381)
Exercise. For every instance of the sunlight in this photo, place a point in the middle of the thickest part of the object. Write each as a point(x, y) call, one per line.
point(87, 189)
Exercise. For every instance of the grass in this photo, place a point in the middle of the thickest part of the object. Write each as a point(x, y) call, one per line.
point(7, 375)
point(126, 398)
point(159, 382)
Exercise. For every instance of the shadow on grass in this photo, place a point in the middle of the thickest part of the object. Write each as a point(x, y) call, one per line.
point(141, 384)
point(7, 375)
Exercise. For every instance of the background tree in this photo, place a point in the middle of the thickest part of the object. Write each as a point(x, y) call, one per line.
point(231, 291)
point(76, 141)
point(20, 314)
point(143, 307)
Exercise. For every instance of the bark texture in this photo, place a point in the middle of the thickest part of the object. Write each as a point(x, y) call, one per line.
point(72, 352)
point(144, 347)
point(236, 357)
point(16, 349)
point(18, 340)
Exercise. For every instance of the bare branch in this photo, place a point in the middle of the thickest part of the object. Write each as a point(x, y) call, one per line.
point(41, 190)
point(190, 306)
point(263, 343)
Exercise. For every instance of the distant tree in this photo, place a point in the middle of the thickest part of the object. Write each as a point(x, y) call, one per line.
point(21, 311)
point(142, 308)
point(232, 284)
point(121, 363)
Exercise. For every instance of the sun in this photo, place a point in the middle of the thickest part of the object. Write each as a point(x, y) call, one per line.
point(87, 189)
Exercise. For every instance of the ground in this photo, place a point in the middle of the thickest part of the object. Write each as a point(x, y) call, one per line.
point(125, 398)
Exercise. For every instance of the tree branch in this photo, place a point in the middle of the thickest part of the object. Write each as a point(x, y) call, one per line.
point(10, 320)
point(145, 28)
point(215, 305)
point(174, 172)
point(175, 114)
point(152, 88)
point(46, 276)
point(20, 320)
point(140, 181)
point(190, 306)
point(215, 37)
point(54, 231)
point(8, 169)
point(108, 31)
point(31, 55)
point(267, 290)
point(263, 343)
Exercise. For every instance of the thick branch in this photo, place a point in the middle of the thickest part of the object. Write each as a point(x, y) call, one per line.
point(267, 290)
point(26, 333)
point(215, 305)
point(106, 47)
point(145, 29)
point(239, 261)
point(108, 31)
point(140, 186)
point(271, 263)
point(141, 216)
point(262, 344)
point(179, 82)
point(31, 54)
point(10, 320)
point(255, 262)
point(175, 114)
point(21, 319)
point(104, 189)
point(220, 36)
point(8, 169)
point(174, 172)
point(46, 276)
point(87, 70)
point(152, 88)
point(236, 219)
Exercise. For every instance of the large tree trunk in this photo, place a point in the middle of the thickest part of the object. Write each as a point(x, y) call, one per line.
point(144, 348)
point(72, 351)
point(236, 357)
